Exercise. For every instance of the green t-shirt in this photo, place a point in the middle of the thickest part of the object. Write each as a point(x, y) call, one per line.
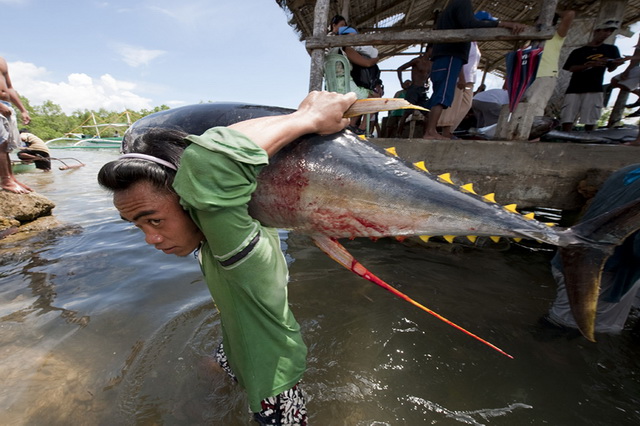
point(262, 339)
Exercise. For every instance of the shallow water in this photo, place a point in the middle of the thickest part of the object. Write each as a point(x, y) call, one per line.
point(98, 328)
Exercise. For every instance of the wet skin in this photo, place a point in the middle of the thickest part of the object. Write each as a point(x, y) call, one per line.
point(159, 215)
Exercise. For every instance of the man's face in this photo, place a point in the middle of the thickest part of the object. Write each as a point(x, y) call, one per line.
point(601, 35)
point(159, 215)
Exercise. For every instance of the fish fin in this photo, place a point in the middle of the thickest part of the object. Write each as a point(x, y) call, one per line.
point(421, 166)
point(392, 150)
point(446, 177)
point(449, 238)
point(490, 197)
point(529, 216)
point(511, 208)
point(373, 105)
point(468, 188)
point(472, 238)
point(583, 263)
point(337, 252)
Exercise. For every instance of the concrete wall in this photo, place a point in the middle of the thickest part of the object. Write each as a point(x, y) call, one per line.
point(530, 174)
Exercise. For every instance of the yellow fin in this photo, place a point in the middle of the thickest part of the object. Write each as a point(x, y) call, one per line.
point(495, 239)
point(511, 208)
point(550, 224)
point(468, 187)
point(392, 151)
point(490, 197)
point(421, 166)
point(449, 238)
point(446, 177)
point(530, 215)
point(425, 238)
point(517, 240)
point(472, 238)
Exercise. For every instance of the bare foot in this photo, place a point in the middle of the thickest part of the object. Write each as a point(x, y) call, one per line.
point(9, 184)
point(24, 185)
point(436, 135)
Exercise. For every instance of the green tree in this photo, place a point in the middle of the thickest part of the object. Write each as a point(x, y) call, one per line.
point(48, 121)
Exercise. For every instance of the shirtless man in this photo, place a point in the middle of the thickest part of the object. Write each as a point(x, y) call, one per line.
point(417, 92)
point(9, 135)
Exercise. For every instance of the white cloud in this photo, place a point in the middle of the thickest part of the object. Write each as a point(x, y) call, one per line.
point(186, 13)
point(135, 56)
point(79, 92)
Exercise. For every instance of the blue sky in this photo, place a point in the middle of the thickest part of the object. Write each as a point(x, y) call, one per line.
point(141, 54)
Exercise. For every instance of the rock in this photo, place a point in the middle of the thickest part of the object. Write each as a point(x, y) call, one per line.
point(24, 207)
point(20, 213)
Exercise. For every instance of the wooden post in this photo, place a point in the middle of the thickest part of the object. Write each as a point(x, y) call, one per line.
point(614, 9)
point(320, 19)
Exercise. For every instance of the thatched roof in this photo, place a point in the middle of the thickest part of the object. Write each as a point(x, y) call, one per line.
point(376, 16)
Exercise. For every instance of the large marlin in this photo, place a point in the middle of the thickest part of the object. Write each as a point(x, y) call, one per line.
point(341, 186)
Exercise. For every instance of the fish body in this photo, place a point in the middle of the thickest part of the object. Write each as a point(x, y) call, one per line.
point(600, 136)
point(341, 186)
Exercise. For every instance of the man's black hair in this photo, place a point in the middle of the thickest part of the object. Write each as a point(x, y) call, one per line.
point(168, 145)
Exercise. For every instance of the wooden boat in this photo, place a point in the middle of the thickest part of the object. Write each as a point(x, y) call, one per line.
point(95, 141)
point(20, 167)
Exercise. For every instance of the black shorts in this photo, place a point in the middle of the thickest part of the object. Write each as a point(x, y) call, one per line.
point(288, 408)
point(44, 163)
point(417, 95)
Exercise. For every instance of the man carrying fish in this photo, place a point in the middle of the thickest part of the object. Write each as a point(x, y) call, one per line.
point(190, 193)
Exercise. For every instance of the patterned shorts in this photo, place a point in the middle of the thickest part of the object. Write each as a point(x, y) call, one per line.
point(285, 409)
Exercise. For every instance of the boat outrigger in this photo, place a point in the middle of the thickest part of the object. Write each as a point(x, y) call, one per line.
point(97, 141)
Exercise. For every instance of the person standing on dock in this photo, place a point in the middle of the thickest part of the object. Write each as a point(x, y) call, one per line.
point(9, 135)
point(416, 93)
point(448, 58)
point(584, 97)
point(541, 90)
point(190, 193)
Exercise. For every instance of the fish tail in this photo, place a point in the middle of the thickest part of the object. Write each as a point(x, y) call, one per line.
point(584, 261)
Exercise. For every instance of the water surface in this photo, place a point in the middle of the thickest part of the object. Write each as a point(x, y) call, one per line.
point(98, 328)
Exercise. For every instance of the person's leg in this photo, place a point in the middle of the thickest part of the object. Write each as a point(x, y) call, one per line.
point(431, 131)
point(569, 112)
point(444, 76)
point(9, 137)
point(591, 109)
point(285, 409)
point(7, 180)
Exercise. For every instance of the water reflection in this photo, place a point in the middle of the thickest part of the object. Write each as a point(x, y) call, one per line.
point(96, 328)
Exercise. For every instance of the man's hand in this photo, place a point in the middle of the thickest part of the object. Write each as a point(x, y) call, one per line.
point(5, 110)
point(324, 111)
point(515, 27)
point(26, 118)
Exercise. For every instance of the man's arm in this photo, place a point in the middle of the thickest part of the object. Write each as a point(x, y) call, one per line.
point(356, 58)
point(320, 112)
point(515, 27)
point(14, 98)
point(404, 67)
point(566, 17)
